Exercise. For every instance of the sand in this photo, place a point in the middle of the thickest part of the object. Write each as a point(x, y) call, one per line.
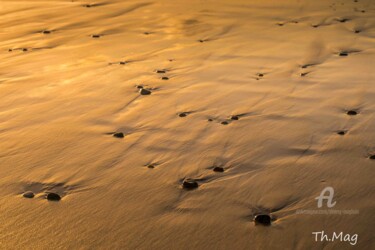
point(258, 89)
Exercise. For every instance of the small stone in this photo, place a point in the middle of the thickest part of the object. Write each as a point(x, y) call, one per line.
point(160, 71)
point(189, 184)
point(165, 78)
point(151, 166)
point(118, 135)
point(352, 112)
point(139, 86)
point(182, 114)
point(235, 117)
point(262, 219)
point(46, 32)
point(53, 197)
point(218, 169)
point(24, 49)
point(224, 123)
point(96, 36)
point(260, 75)
point(341, 132)
point(343, 53)
point(372, 157)
point(143, 91)
point(209, 119)
point(122, 62)
point(201, 41)
point(28, 194)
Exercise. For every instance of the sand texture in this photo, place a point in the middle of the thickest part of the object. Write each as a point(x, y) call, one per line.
point(171, 124)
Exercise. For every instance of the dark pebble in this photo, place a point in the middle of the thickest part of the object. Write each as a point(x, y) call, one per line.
point(165, 78)
point(341, 132)
point(218, 169)
point(96, 36)
point(372, 157)
point(118, 135)
point(143, 91)
point(235, 117)
point(122, 62)
point(209, 119)
point(46, 32)
point(343, 53)
point(28, 194)
point(189, 184)
point(182, 114)
point(352, 112)
point(262, 219)
point(53, 197)
point(160, 71)
point(24, 49)
point(224, 123)
point(151, 166)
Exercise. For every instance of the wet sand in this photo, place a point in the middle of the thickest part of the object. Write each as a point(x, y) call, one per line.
point(174, 124)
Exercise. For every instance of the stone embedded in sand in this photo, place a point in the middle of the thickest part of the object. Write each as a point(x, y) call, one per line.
point(53, 197)
point(96, 36)
point(351, 112)
point(262, 219)
point(161, 71)
point(183, 114)
point(235, 117)
point(46, 32)
point(341, 132)
point(144, 91)
point(260, 74)
point(165, 78)
point(28, 194)
point(209, 119)
point(24, 49)
point(201, 41)
point(218, 169)
point(372, 157)
point(189, 184)
point(343, 53)
point(151, 166)
point(118, 135)
point(122, 62)
point(343, 20)
point(224, 123)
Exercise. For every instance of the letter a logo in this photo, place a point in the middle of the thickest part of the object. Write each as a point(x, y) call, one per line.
point(328, 197)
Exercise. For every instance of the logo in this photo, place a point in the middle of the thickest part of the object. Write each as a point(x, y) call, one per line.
point(328, 197)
